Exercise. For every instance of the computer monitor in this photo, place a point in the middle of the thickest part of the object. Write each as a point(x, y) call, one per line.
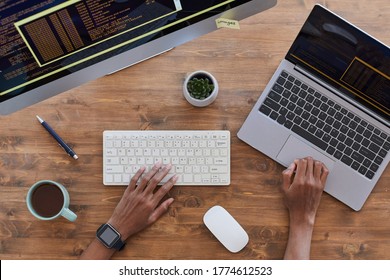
point(47, 47)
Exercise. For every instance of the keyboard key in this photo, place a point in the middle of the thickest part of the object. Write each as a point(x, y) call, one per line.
point(298, 83)
point(309, 137)
point(324, 107)
point(326, 138)
point(302, 94)
point(382, 153)
point(265, 110)
point(351, 133)
point(283, 111)
point(281, 119)
point(377, 139)
point(320, 124)
point(378, 160)
point(319, 133)
point(374, 167)
point(317, 103)
point(358, 157)
point(271, 104)
point(347, 160)
point(370, 174)
point(297, 120)
point(367, 133)
point(350, 115)
point(295, 89)
point(284, 102)
point(366, 163)
point(305, 124)
point(291, 106)
point(331, 103)
point(362, 170)
point(348, 142)
point(312, 129)
point(327, 128)
point(288, 85)
point(338, 154)
point(286, 93)
point(355, 165)
point(281, 81)
point(290, 116)
point(345, 120)
point(315, 111)
point(218, 169)
point(344, 129)
point(330, 150)
point(348, 151)
point(278, 88)
point(274, 115)
point(331, 111)
point(340, 147)
point(374, 147)
point(338, 116)
point(367, 153)
point(284, 74)
point(358, 138)
point(288, 124)
point(309, 98)
point(274, 96)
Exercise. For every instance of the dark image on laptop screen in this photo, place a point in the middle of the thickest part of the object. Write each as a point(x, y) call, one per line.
point(344, 56)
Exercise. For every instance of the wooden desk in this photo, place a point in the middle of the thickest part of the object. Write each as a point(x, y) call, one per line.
point(149, 96)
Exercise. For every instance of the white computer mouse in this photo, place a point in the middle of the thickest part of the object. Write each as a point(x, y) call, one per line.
point(225, 228)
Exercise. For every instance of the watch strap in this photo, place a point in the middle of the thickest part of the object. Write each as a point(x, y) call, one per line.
point(119, 245)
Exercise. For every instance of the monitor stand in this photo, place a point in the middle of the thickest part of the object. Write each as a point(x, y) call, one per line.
point(157, 54)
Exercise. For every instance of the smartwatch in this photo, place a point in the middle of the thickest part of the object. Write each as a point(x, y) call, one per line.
point(110, 237)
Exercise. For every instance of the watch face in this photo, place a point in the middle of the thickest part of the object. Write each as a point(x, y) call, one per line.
point(108, 235)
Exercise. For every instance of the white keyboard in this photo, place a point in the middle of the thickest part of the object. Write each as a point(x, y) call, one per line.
point(198, 157)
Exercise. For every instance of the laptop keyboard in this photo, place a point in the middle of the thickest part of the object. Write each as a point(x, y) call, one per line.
point(326, 124)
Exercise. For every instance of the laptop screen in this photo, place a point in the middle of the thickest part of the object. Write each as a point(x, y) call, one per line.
point(345, 57)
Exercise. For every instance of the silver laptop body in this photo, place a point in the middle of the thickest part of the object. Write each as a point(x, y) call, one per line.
point(340, 78)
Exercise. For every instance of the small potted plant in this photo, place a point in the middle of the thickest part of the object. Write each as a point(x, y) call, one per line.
point(200, 88)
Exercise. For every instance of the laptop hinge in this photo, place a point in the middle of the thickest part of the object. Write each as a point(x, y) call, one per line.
point(342, 96)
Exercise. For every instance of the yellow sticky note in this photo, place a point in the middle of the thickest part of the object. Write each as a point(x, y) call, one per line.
point(227, 23)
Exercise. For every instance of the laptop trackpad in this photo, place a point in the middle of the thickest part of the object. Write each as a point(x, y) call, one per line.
point(295, 148)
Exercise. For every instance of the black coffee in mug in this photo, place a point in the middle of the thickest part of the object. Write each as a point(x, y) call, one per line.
point(47, 200)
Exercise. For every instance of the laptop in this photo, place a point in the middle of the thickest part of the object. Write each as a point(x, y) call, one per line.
point(328, 99)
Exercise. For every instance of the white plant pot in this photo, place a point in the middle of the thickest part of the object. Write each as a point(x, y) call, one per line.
point(208, 100)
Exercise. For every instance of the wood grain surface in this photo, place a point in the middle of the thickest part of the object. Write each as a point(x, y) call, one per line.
point(148, 96)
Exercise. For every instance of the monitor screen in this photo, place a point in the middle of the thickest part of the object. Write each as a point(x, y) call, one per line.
point(50, 46)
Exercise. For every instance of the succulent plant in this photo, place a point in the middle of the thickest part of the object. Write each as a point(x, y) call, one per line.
point(200, 88)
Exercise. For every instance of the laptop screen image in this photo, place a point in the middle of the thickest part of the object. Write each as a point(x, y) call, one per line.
point(345, 57)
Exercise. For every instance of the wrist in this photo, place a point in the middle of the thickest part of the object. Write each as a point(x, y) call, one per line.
point(125, 233)
point(302, 221)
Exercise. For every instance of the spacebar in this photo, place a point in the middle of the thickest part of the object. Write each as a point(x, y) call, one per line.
point(309, 137)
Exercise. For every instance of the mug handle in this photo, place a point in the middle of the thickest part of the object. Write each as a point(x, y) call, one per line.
point(68, 214)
